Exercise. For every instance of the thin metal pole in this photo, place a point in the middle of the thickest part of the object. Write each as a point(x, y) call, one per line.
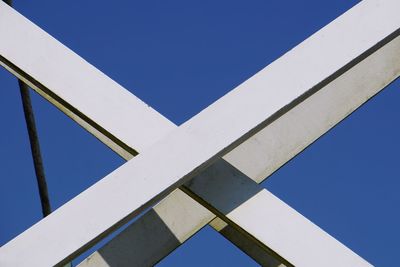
point(34, 142)
point(35, 148)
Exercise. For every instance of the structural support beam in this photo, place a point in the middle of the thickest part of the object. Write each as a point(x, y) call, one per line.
point(238, 131)
point(163, 229)
point(322, 110)
point(42, 77)
point(265, 219)
point(77, 88)
point(287, 137)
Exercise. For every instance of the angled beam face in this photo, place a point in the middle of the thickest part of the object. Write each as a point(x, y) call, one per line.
point(197, 130)
point(323, 110)
point(261, 254)
point(44, 76)
point(155, 235)
point(164, 228)
point(264, 153)
point(77, 88)
point(264, 218)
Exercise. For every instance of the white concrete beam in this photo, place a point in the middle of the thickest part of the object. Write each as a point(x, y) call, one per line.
point(260, 156)
point(264, 218)
point(189, 127)
point(81, 91)
point(60, 75)
point(290, 135)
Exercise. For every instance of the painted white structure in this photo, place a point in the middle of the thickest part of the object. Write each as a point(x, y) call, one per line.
point(216, 158)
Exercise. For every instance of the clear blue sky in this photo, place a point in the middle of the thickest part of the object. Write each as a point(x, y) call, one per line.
point(179, 57)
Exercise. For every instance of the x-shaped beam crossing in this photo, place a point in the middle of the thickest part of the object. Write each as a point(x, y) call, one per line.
point(217, 157)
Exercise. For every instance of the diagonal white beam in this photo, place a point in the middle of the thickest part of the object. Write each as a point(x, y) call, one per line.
point(172, 220)
point(163, 229)
point(64, 72)
point(79, 89)
point(248, 206)
point(229, 127)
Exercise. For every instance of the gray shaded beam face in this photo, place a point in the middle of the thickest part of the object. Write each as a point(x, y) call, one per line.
point(155, 235)
point(343, 96)
point(42, 77)
point(164, 228)
point(259, 252)
point(264, 218)
point(287, 136)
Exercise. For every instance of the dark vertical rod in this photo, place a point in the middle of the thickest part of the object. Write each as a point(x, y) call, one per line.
point(34, 142)
point(35, 148)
